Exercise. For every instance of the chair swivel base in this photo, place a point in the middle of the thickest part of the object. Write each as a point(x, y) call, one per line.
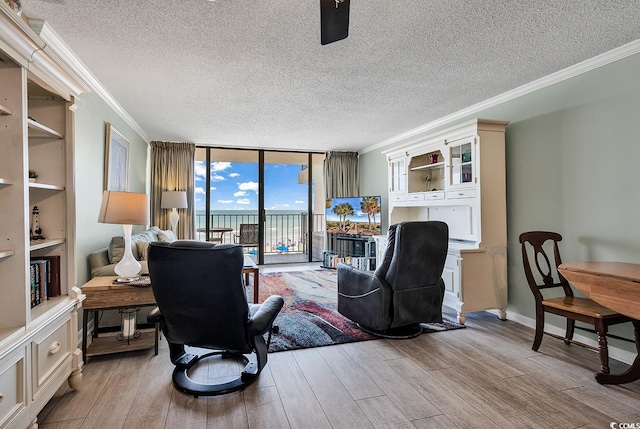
point(185, 384)
point(403, 332)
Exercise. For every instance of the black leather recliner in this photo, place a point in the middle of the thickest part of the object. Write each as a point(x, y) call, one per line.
point(407, 288)
point(202, 303)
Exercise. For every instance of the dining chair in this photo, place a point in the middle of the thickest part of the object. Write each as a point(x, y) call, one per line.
point(536, 247)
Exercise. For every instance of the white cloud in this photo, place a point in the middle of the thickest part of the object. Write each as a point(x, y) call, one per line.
point(225, 201)
point(234, 175)
point(217, 178)
point(240, 194)
point(200, 169)
point(285, 205)
point(198, 190)
point(299, 202)
point(212, 188)
point(243, 201)
point(220, 166)
point(248, 186)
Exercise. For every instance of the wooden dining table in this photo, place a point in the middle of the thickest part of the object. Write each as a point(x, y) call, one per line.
point(615, 285)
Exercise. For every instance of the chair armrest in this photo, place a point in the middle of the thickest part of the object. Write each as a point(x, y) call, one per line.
point(265, 315)
point(154, 316)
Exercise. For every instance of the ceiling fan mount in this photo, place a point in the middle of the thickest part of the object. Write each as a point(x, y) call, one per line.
point(334, 20)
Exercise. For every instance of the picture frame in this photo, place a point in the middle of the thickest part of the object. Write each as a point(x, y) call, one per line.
point(116, 160)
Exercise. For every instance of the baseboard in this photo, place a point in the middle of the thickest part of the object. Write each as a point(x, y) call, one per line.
point(614, 352)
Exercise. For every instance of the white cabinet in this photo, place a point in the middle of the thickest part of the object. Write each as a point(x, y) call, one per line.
point(461, 161)
point(466, 189)
point(398, 177)
point(38, 325)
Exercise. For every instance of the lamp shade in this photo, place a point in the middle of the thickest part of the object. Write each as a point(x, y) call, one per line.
point(174, 200)
point(126, 208)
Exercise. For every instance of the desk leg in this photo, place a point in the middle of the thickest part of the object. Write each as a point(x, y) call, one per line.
point(85, 316)
point(633, 373)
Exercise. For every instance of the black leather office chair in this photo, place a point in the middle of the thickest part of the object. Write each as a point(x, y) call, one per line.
point(202, 303)
point(407, 288)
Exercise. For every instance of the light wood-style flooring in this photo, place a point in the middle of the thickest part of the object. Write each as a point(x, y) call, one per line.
point(484, 376)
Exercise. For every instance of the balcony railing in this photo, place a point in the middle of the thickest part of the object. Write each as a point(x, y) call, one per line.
point(283, 232)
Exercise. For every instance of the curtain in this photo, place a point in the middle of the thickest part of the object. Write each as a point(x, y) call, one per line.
point(341, 174)
point(172, 169)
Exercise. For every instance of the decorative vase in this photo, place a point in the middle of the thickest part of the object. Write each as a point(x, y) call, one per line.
point(32, 179)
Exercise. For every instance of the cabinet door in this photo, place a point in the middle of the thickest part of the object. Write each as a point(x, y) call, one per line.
point(397, 175)
point(462, 160)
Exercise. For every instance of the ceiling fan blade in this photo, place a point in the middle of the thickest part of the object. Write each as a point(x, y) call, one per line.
point(334, 21)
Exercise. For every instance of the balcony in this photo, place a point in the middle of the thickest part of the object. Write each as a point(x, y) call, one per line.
point(286, 238)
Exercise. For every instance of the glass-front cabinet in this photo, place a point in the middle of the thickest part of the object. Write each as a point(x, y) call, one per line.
point(461, 162)
point(397, 175)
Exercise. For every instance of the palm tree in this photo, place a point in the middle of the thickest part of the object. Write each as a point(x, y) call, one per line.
point(370, 206)
point(343, 210)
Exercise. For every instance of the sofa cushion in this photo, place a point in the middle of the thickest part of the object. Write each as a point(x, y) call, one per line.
point(143, 250)
point(167, 236)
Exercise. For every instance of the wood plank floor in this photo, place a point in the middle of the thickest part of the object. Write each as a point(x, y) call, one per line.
point(485, 376)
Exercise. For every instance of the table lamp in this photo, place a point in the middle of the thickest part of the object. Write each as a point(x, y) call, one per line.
point(127, 209)
point(174, 200)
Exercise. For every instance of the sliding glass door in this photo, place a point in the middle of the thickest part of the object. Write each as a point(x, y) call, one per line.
point(270, 202)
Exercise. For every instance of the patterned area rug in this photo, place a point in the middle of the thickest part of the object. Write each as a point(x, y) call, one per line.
point(309, 317)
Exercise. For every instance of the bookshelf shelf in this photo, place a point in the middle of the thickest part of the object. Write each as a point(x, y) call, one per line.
point(43, 244)
point(38, 130)
point(4, 110)
point(6, 253)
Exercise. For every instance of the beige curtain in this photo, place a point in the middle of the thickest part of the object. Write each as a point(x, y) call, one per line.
point(341, 174)
point(172, 170)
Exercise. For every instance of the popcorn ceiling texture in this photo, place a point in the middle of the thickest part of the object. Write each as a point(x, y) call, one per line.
point(252, 73)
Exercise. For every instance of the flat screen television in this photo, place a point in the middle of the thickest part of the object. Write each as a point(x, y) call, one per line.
point(354, 216)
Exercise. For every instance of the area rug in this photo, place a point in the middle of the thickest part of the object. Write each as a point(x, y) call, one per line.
point(309, 317)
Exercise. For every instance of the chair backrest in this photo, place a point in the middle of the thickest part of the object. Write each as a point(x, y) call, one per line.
point(248, 235)
point(198, 288)
point(536, 248)
point(415, 254)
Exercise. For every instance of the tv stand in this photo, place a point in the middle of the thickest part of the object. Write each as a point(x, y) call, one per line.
point(356, 250)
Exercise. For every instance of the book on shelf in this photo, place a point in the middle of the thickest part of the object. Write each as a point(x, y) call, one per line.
point(45, 278)
point(331, 260)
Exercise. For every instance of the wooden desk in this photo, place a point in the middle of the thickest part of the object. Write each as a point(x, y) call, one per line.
point(212, 231)
point(102, 294)
point(250, 267)
point(616, 285)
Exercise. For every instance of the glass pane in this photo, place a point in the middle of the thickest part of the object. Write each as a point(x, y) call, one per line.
point(233, 194)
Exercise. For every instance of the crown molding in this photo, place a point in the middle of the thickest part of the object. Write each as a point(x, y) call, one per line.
point(611, 56)
point(56, 44)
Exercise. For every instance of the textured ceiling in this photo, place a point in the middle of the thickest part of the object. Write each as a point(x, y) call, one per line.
point(252, 73)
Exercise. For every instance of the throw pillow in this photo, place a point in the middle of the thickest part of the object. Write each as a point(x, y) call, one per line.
point(167, 236)
point(143, 250)
point(116, 249)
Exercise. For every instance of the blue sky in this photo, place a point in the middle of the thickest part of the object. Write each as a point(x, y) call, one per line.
point(234, 186)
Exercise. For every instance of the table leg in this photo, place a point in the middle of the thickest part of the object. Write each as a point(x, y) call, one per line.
point(633, 373)
point(256, 287)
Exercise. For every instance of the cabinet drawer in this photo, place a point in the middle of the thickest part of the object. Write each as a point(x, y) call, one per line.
point(12, 386)
point(415, 197)
point(49, 352)
point(434, 196)
point(463, 193)
point(399, 197)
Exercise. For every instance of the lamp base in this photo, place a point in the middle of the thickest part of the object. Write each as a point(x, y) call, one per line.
point(127, 279)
